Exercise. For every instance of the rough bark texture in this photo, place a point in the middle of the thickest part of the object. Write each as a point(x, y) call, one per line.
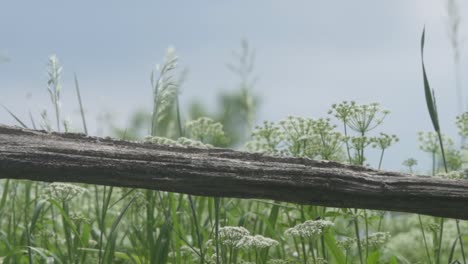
point(40, 156)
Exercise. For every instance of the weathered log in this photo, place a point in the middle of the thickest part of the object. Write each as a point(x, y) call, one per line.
point(48, 157)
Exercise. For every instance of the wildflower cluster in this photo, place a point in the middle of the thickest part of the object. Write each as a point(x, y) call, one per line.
point(205, 129)
point(239, 237)
point(231, 235)
point(180, 142)
point(376, 240)
point(266, 139)
point(359, 144)
point(452, 175)
point(62, 191)
point(298, 137)
point(346, 243)
point(364, 118)
point(160, 140)
point(256, 242)
point(343, 111)
point(329, 140)
point(410, 163)
point(429, 142)
point(384, 141)
point(462, 124)
point(310, 228)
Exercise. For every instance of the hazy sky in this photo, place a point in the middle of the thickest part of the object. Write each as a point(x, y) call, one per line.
point(310, 54)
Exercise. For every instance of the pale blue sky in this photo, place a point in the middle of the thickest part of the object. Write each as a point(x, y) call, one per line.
point(310, 54)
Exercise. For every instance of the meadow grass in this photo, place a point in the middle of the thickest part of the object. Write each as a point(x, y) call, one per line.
point(65, 223)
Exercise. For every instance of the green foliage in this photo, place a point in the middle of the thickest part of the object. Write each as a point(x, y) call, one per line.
point(65, 223)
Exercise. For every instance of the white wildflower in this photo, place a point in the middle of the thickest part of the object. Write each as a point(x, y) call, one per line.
point(160, 140)
point(192, 143)
point(309, 228)
point(62, 191)
point(231, 235)
point(376, 239)
point(205, 129)
point(257, 242)
point(453, 175)
point(346, 243)
point(92, 243)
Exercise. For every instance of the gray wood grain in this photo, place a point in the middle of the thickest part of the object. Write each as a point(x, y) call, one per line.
point(40, 156)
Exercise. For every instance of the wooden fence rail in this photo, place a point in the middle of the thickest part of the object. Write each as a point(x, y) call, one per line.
point(41, 156)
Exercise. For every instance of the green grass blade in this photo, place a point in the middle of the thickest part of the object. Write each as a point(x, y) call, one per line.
point(36, 214)
point(373, 257)
point(336, 252)
point(4, 195)
point(15, 117)
point(430, 100)
point(65, 218)
point(452, 249)
point(77, 87)
point(32, 120)
point(163, 243)
point(111, 241)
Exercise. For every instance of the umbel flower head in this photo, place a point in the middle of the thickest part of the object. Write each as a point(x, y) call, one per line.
point(376, 239)
point(452, 175)
point(256, 242)
point(310, 228)
point(266, 138)
point(346, 243)
point(180, 142)
point(63, 191)
point(231, 235)
point(206, 130)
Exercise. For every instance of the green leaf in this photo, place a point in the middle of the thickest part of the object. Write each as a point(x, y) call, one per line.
point(336, 252)
point(66, 218)
point(109, 251)
point(37, 212)
point(430, 98)
point(452, 250)
point(373, 257)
